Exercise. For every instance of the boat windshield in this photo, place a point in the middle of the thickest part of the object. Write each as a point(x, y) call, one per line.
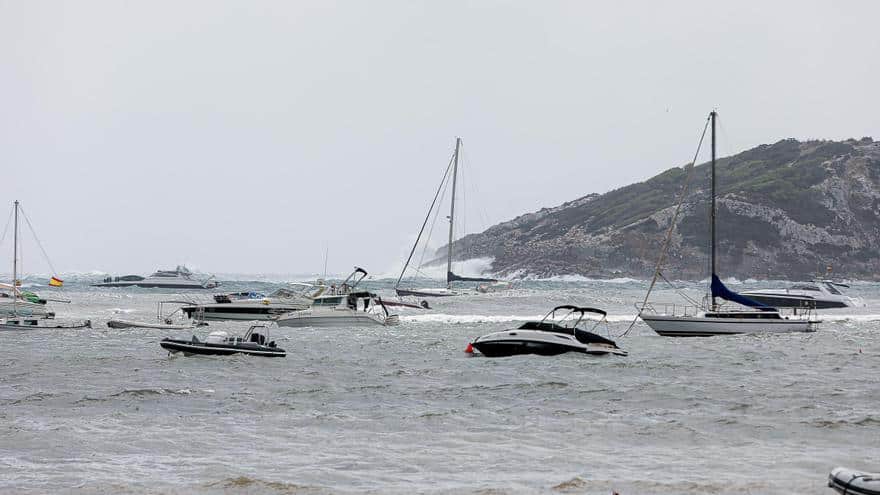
point(832, 289)
point(806, 287)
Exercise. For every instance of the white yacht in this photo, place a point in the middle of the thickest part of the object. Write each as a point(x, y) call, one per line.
point(248, 306)
point(359, 309)
point(820, 294)
point(179, 278)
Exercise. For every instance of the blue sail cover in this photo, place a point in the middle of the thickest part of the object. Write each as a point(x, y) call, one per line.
point(720, 290)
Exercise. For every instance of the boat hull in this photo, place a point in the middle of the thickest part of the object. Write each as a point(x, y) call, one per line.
point(520, 347)
point(330, 321)
point(698, 326)
point(120, 324)
point(225, 312)
point(781, 301)
point(850, 482)
point(543, 343)
point(189, 348)
point(427, 292)
point(155, 285)
point(42, 324)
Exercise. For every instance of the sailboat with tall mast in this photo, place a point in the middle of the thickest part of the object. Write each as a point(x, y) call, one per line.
point(22, 315)
point(714, 318)
point(451, 277)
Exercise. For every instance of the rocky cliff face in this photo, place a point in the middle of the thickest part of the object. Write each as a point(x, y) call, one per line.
point(785, 211)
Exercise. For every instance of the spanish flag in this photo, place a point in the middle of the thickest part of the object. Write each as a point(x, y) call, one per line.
point(56, 282)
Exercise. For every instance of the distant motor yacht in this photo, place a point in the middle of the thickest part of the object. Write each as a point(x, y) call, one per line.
point(179, 278)
point(820, 294)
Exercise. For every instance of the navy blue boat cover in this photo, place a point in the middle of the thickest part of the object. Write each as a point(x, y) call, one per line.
point(720, 290)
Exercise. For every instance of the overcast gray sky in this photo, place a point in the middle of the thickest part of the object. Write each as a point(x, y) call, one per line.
point(245, 136)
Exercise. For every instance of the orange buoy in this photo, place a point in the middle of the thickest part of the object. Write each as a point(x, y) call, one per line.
point(469, 349)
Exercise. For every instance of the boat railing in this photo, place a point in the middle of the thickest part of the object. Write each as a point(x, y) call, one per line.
point(669, 309)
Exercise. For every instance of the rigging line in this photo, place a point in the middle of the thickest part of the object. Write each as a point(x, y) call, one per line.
point(672, 222)
point(431, 231)
point(415, 244)
point(678, 290)
point(39, 244)
point(6, 229)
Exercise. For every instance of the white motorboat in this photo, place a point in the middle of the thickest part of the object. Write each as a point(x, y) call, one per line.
point(31, 323)
point(713, 319)
point(248, 306)
point(820, 294)
point(550, 336)
point(179, 278)
point(336, 295)
point(359, 309)
point(451, 277)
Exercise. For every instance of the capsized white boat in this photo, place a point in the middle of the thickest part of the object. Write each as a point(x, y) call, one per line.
point(715, 319)
point(851, 482)
point(359, 309)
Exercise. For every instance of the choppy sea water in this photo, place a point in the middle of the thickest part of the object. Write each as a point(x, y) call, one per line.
point(404, 410)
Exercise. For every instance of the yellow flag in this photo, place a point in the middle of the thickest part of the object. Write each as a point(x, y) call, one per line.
point(56, 282)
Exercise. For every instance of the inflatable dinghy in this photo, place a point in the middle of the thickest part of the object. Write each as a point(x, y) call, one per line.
point(850, 482)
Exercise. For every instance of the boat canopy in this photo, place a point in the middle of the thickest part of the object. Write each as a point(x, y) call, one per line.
point(720, 290)
point(451, 277)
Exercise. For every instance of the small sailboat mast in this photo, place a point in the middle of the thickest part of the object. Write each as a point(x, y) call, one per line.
point(15, 262)
point(714, 305)
point(452, 213)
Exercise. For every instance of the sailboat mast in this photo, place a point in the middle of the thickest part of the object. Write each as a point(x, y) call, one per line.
point(15, 261)
point(712, 207)
point(452, 212)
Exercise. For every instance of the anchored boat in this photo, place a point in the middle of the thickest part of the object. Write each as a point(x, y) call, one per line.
point(359, 309)
point(179, 278)
point(450, 276)
point(551, 336)
point(20, 310)
point(220, 343)
point(714, 319)
point(820, 294)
